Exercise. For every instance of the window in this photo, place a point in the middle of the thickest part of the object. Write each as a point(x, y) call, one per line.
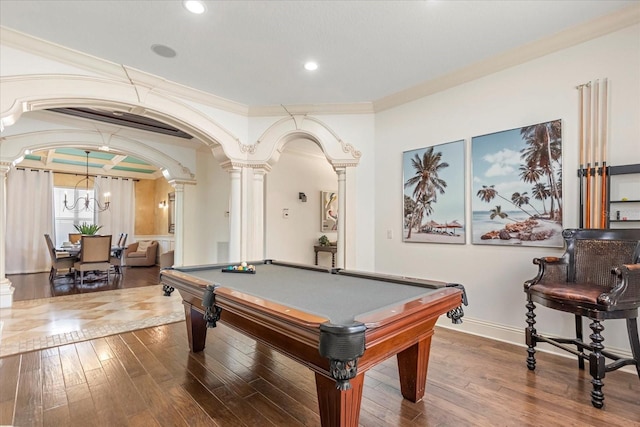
point(65, 219)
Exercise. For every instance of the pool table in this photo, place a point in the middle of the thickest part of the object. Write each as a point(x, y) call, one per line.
point(339, 323)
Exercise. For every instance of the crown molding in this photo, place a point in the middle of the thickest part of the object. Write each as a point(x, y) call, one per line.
point(46, 49)
point(317, 109)
point(519, 55)
point(93, 64)
point(562, 40)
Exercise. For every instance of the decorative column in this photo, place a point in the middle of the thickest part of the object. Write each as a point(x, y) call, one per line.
point(6, 290)
point(235, 215)
point(342, 195)
point(256, 244)
point(178, 244)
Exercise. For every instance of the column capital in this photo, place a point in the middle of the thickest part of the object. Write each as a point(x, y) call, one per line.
point(5, 167)
point(175, 183)
point(239, 165)
point(340, 170)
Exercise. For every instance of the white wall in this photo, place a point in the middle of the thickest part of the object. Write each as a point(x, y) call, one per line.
point(538, 91)
point(206, 222)
point(292, 239)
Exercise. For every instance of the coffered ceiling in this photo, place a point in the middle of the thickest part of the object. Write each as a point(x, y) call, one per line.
point(73, 160)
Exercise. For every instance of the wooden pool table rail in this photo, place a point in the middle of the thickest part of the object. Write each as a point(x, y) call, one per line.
point(406, 333)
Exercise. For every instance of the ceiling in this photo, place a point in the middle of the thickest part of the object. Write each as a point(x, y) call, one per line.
point(73, 160)
point(252, 52)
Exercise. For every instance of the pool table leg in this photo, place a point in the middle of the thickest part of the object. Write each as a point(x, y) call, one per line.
point(412, 367)
point(196, 327)
point(339, 408)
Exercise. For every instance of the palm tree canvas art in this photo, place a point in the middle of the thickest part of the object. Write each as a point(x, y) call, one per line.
point(517, 186)
point(433, 178)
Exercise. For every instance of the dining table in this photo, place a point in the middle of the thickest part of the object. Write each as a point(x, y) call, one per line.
point(74, 250)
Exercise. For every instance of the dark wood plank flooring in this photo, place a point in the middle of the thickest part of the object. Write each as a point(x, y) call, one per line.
point(149, 378)
point(37, 285)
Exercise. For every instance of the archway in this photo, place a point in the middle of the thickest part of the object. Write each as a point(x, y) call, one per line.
point(22, 94)
point(340, 155)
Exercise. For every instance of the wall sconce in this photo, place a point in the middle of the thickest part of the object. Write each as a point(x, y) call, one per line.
point(302, 197)
point(162, 204)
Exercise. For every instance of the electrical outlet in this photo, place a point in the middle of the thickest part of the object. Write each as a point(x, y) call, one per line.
point(389, 234)
point(285, 213)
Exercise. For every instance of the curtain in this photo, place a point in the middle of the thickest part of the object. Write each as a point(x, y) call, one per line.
point(120, 218)
point(30, 216)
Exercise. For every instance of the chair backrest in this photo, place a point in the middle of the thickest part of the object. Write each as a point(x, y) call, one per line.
point(592, 253)
point(52, 249)
point(123, 242)
point(75, 237)
point(96, 249)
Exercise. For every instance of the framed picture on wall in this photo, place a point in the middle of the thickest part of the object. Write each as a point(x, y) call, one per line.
point(433, 202)
point(517, 186)
point(329, 211)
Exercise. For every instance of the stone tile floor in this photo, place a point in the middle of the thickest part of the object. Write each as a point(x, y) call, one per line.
point(48, 322)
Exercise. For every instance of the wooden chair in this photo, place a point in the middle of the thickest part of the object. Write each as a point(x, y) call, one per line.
point(59, 260)
point(598, 277)
point(95, 256)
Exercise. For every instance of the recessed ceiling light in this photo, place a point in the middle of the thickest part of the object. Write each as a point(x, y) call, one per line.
point(310, 66)
point(195, 6)
point(162, 50)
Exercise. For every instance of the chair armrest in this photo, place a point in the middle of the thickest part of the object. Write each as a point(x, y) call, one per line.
point(627, 288)
point(550, 269)
point(152, 249)
point(130, 248)
point(166, 260)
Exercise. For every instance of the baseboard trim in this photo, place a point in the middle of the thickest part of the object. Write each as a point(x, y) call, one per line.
point(515, 336)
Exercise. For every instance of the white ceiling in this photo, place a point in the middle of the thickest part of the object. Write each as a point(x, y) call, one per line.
point(253, 52)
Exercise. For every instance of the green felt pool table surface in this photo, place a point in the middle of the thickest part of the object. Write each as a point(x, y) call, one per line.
point(340, 298)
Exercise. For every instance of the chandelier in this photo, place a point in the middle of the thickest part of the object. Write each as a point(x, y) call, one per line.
point(86, 202)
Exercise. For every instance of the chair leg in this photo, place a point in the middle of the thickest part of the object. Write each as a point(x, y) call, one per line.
point(579, 338)
point(597, 364)
point(530, 332)
point(634, 341)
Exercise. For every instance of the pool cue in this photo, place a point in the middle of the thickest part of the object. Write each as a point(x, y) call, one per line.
point(595, 199)
point(587, 219)
point(604, 213)
point(581, 143)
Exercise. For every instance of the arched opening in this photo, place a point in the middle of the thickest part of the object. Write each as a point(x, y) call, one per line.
point(178, 169)
point(333, 158)
point(294, 203)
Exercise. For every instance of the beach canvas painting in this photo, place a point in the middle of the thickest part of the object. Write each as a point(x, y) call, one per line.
point(517, 186)
point(433, 210)
point(329, 213)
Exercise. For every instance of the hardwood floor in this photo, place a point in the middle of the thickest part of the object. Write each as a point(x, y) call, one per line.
point(35, 286)
point(148, 377)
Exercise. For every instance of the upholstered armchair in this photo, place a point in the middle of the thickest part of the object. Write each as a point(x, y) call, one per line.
point(141, 254)
point(598, 277)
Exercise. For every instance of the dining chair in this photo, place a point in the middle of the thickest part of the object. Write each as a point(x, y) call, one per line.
point(117, 253)
point(95, 256)
point(59, 260)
